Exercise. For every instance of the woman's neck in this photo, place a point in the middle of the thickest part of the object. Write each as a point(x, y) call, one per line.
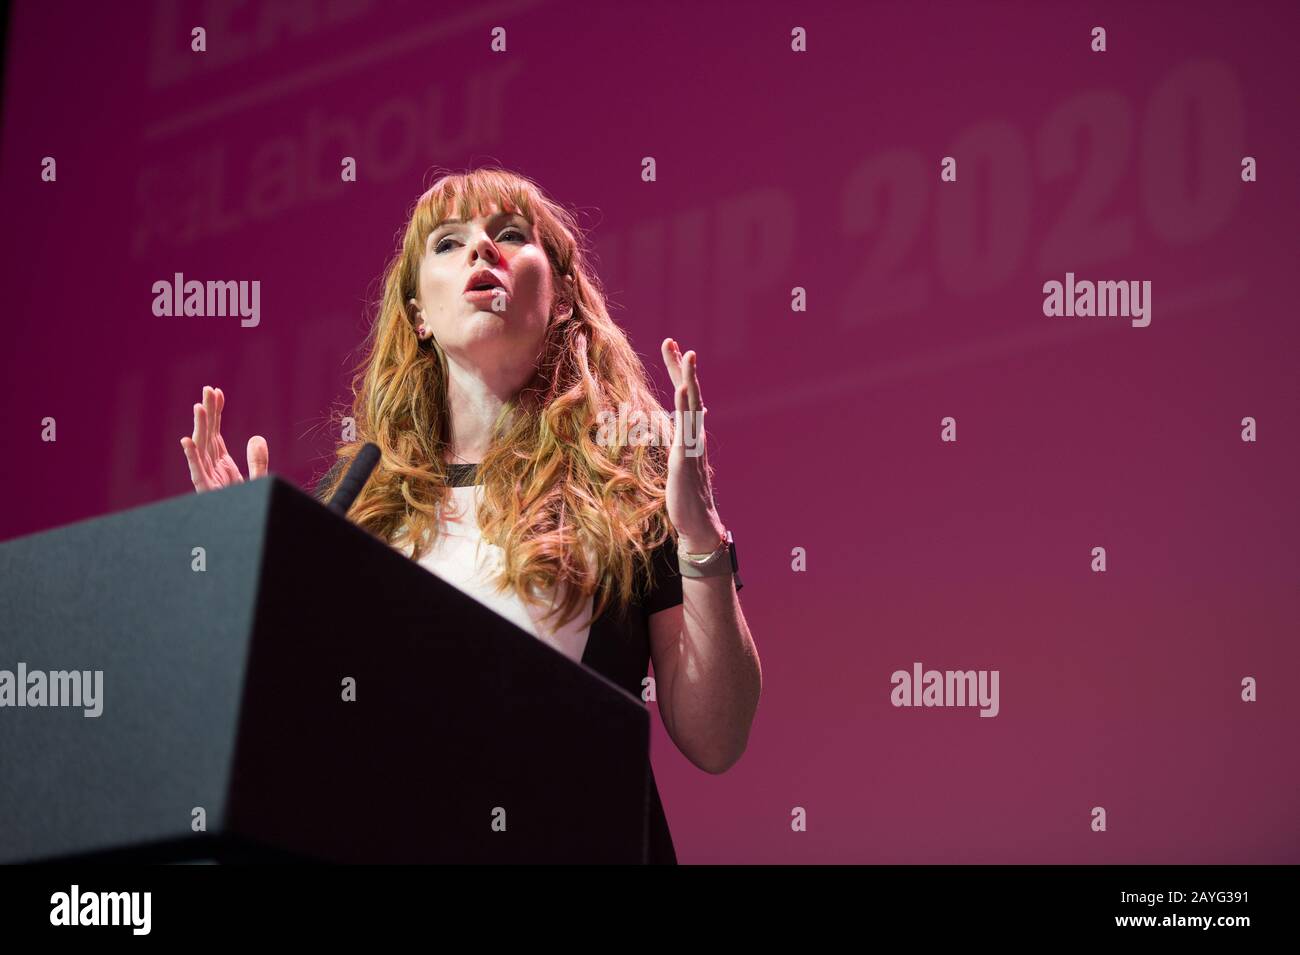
point(473, 403)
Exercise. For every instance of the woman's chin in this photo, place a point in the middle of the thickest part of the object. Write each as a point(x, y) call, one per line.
point(485, 313)
point(491, 332)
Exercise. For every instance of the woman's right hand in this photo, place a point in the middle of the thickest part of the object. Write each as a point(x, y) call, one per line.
point(211, 466)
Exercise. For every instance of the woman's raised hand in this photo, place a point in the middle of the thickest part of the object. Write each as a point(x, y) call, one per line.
point(689, 493)
point(211, 466)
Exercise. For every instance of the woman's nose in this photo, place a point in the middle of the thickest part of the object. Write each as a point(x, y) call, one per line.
point(487, 249)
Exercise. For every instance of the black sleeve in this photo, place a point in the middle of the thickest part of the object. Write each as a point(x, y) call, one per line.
point(666, 585)
point(665, 581)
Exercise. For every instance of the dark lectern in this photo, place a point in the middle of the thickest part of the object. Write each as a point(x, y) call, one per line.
point(277, 684)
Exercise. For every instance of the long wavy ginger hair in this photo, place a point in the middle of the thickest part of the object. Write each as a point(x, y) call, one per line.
point(563, 507)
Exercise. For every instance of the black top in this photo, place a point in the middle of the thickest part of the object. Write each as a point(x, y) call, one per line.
point(618, 646)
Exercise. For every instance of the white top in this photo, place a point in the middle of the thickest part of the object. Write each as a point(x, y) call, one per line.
point(461, 557)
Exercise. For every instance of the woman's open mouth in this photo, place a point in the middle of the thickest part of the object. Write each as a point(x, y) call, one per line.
point(487, 296)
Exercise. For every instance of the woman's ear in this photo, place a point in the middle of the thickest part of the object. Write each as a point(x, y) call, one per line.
point(416, 317)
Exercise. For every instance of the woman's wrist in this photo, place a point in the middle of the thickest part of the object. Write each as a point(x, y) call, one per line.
point(706, 542)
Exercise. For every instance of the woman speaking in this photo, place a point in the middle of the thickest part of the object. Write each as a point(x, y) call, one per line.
point(491, 376)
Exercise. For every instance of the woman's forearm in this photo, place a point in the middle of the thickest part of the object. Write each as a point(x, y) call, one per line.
point(717, 678)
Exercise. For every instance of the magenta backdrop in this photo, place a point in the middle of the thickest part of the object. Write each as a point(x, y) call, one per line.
point(775, 169)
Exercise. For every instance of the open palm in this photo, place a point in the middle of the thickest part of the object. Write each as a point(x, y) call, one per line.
point(211, 466)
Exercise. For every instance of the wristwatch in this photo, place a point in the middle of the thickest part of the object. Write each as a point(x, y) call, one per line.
point(721, 560)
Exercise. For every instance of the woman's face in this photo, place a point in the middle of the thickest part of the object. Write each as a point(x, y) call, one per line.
point(499, 331)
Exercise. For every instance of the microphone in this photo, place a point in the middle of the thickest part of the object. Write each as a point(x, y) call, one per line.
point(355, 479)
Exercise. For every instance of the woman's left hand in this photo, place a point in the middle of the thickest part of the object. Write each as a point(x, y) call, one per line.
point(690, 496)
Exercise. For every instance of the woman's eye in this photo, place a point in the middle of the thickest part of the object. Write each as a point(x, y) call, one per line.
point(437, 249)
